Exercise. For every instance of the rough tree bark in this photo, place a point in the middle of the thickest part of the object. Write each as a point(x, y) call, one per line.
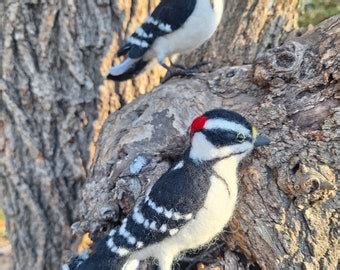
point(286, 216)
point(54, 55)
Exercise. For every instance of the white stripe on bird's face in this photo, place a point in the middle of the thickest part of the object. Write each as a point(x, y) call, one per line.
point(217, 123)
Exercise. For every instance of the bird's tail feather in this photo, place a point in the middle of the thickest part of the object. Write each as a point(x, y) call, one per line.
point(124, 50)
point(100, 258)
point(127, 69)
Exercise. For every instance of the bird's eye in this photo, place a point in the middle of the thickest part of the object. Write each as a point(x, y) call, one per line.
point(240, 137)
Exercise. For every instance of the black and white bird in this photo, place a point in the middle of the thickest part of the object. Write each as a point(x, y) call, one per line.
point(175, 26)
point(189, 205)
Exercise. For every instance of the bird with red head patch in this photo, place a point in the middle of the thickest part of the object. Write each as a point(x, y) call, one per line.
point(188, 206)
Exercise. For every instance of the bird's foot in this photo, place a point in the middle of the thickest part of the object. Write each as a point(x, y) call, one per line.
point(196, 67)
point(176, 70)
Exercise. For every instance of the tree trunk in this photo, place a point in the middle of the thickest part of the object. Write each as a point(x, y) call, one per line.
point(286, 215)
point(53, 53)
point(54, 56)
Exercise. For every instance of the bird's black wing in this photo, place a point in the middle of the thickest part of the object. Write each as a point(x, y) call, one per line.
point(173, 201)
point(167, 17)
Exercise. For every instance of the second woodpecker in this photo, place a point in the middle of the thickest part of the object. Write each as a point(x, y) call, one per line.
point(175, 26)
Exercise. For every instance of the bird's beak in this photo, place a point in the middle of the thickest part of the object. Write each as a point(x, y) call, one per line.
point(261, 140)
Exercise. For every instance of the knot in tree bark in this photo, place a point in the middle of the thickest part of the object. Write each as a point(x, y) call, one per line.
point(279, 65)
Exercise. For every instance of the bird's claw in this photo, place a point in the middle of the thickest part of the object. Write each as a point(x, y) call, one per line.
point(178, 72)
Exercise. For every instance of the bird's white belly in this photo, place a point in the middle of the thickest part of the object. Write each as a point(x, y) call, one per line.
point(195, 31)
point(207, 224)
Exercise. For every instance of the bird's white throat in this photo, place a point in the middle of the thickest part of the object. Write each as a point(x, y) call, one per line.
point(226, 170)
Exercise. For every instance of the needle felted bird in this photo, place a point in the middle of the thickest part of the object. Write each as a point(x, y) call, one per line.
point(175, 26)
point(188, 206)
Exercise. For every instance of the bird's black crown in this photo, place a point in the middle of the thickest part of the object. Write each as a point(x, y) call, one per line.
point(229, 116)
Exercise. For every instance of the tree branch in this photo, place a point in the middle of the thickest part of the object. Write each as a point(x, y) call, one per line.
point(286, 204)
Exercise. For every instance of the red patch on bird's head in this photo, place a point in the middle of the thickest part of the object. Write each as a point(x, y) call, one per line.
point(198, 124)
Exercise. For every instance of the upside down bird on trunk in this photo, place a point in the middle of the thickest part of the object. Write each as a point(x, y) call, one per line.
point(188, 206)
point(175, 26)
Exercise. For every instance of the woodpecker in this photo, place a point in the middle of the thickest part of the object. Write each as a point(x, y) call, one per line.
point(175, 26)
point(189, 205)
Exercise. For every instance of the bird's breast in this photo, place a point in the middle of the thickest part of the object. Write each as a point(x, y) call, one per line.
point(210, 220)
point(197, 29)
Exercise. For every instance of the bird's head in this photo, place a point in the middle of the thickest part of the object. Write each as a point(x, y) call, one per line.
point(221, 134)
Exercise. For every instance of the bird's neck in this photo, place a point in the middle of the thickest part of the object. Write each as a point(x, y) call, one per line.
point(222, 168)
point(225, 167)
point(226, 170)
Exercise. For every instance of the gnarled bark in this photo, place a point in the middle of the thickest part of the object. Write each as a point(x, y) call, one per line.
point(54, 101)
point(286, 215)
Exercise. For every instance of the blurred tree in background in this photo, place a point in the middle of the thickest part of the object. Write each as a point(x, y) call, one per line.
point(2, 225)
point(315, 11)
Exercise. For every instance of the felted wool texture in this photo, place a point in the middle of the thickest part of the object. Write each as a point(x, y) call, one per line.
point(100, 258)
point(175, 26)
point(185, 209)
point(208, 222)
point(196, 29)
point(181, 191)
point(190, 184)
point(228, 116)
point(168, 16)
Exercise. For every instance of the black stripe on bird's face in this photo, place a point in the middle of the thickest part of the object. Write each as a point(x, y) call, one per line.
point(229, 116)
point(221, 137)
